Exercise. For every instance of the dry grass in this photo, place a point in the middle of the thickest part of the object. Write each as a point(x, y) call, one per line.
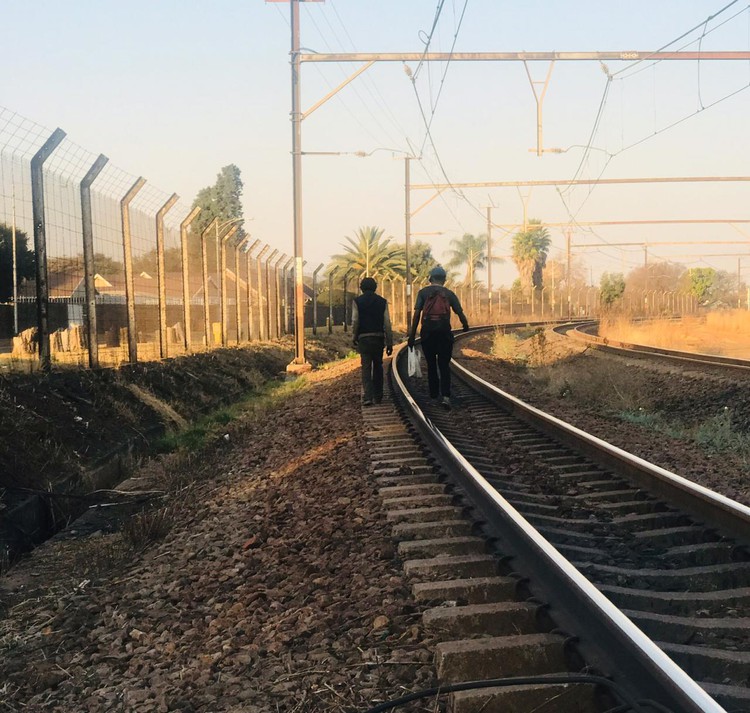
point(600, 385)
point(726, 332)
point(534, 347)
point(145, 528)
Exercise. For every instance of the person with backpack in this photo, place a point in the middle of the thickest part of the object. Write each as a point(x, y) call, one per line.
point(371, 331)
point(433, 309)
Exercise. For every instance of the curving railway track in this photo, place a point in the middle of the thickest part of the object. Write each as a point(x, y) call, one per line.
point(531, 535)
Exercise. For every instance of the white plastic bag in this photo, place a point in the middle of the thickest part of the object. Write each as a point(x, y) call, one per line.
point(414, 367)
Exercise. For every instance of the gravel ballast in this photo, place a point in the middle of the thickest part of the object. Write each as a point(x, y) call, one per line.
point(277, 589)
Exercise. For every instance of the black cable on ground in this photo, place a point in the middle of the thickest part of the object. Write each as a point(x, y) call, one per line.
point(629, 703)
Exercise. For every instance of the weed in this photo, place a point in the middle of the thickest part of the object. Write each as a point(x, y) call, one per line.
point(504, 346)
point(719, 434)
point(538, 348)
point(149, 526)
point(715, 435)
point(99, 556)
point(196, 436)
point(646, 419)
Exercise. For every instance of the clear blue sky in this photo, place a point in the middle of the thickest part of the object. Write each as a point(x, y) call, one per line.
point(175, 90)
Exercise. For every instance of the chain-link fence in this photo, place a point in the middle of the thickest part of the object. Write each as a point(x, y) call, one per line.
point(98, 267)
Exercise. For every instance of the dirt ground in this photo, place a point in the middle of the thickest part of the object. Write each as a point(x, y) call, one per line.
point(693, 421)
point(277, 587)
point(55, 427)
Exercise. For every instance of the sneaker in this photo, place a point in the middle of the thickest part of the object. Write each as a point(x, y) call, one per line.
point(378, 401)
point(445, 402)
point(367, 402)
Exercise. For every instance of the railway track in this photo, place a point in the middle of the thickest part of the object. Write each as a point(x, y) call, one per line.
point(532, 537)
point(586, 332)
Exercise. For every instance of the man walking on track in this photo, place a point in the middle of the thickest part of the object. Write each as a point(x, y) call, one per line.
point(371, 330)
point(434, 304)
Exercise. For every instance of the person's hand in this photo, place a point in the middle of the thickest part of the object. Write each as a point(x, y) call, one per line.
point(410, 343)
point(388, 350)
point(466, 328)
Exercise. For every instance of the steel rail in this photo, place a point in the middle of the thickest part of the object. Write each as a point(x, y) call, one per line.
point(615, 346)
point(702, 503)
point(611, 641)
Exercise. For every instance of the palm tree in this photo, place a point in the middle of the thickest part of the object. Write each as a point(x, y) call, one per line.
point(530, 249)
point(368, 252)
point(469, 250)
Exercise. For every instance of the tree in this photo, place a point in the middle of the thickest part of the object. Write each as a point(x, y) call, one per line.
point(106, 265)
point(659, 277)
point(421, 260)
point(724, 291)
point(469, 250)
point(530, 248)
point(611, 288)
point(555, 274)
point(368, 253)
point(700, 280)
point(25, 260)
point(222, 200)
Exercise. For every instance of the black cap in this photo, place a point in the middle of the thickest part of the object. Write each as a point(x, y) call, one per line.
point(437, 274)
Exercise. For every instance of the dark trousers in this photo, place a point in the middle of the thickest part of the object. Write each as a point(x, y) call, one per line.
point(438, 350)
point(371, 355)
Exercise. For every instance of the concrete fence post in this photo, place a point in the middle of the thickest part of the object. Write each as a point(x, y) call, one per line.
point(223, 282)
point(237, 302)
point(261, 310)
point(204, 269)
point(270, 259)
point(346, 300)
point(40, 245)
point(330, 298)
point(280, 275)
point(248, 256)
point(186, 311)
point(315, 298)
point(87, 230)
point(161, 277)
point(127, 251)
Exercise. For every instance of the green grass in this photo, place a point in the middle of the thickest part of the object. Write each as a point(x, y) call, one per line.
point(715, 435)
point(212, 425)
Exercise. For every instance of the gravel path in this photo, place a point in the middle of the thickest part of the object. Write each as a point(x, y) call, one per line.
point(279, 589)
point(591, 389)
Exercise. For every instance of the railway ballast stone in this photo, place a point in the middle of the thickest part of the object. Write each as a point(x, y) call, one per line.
point(277, 589)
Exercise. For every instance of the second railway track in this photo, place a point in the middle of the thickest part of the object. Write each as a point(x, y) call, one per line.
point(670, 557)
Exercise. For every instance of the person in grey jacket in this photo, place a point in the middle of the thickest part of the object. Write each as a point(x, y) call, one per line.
point(371, 331)
point(433, 310)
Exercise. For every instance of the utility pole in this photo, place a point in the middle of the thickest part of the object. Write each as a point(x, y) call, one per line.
point(567, 268)
point(739, 282)
point(15, 264)
point(299, 364)
point(489, 261)
point(407, 235)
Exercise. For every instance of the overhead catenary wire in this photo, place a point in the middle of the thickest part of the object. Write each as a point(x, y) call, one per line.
point(368, 80)
point(617, 75)
point(427, 43)
point(703, 24)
